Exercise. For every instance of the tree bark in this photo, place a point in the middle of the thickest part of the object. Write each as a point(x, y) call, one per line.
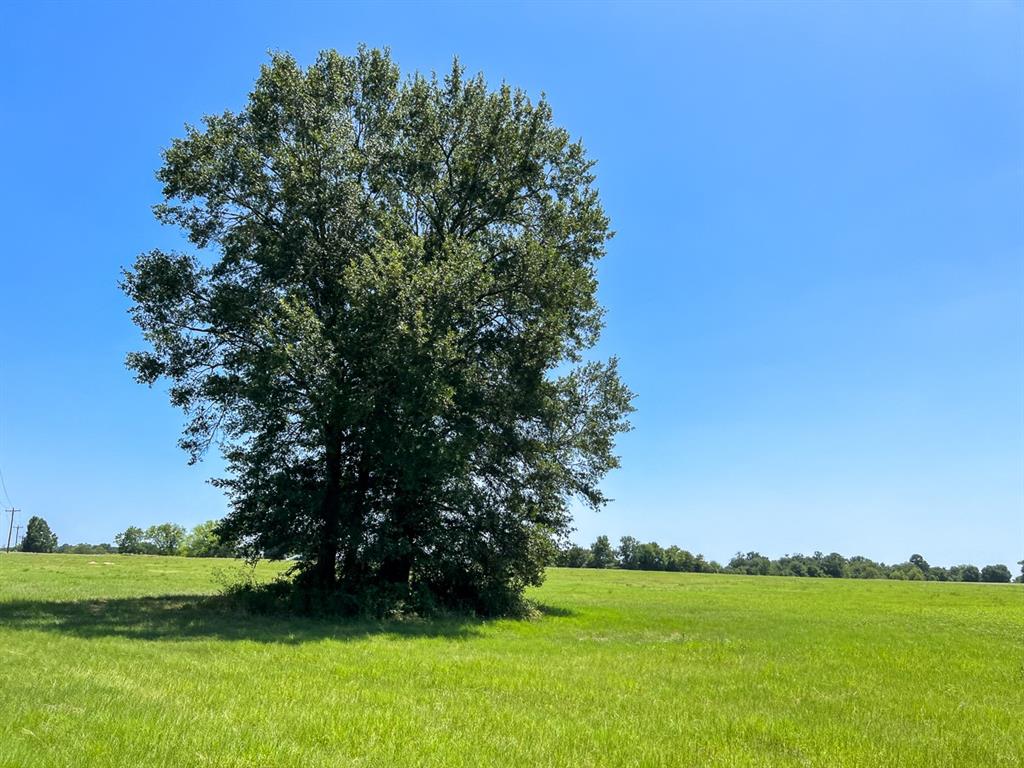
point(330, 512)
point(350, 565)
point(396, 570)
point(397, 567)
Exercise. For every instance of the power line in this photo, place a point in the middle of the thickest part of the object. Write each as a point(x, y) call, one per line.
point(4, 486)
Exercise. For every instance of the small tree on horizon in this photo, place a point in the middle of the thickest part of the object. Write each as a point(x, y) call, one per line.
point(131, 541)
point(573, 556)
point(996, 574)
point(166, 538)
point(38, 536)
point(626, 552)
point(204, 541)
point(965, 572)
point(602, 554)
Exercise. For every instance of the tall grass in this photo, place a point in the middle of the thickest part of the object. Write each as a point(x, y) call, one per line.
point(133, 661)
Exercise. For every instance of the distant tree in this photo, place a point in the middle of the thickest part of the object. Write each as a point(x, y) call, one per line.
point(937, 573)
point(700, 565)
point(691, 563)
point(832, 564)
point(627, 552)
point(860, 567)
point(816, 566)
point(650, 557)
point(751, 563)
point(573, 556)
point(906, 572)
point(998, 574)
point(677, 559)
point(131, 541)
point(166, 538)
point(205, 541)
point(964, 573)
point(1020, 579)
point(790, 565)
point(601, 553)
point(813, 565)
point(38, 536)
point(920, 563)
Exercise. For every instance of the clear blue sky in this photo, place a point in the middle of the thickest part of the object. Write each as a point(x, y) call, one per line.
point(816, 290)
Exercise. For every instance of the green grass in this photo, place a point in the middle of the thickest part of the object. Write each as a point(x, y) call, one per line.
point(114, 661)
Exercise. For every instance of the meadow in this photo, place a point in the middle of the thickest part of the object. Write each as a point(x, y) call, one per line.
point(129, 661)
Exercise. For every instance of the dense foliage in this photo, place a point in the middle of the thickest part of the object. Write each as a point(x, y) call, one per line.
point(162, 539)
point(384, 328)
point(132, 541)
point(38, 536)
point(634, 555)
point(205, 541)
point(996, 573)
point(172, 539)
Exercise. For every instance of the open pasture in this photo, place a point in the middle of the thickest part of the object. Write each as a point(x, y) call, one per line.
point(126, 661)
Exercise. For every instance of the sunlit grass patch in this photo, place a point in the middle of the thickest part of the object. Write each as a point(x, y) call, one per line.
point(141, 663)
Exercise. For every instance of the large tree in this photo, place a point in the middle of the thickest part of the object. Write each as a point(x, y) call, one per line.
point(131, 541)
point(602, 555)
point(996, 573)
point(38, 536)
point(384, 327)
point(204, 541)
point(166, 538)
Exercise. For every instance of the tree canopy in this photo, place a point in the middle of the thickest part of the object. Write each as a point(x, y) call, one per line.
point(996, 573)
point(131, 541)
point(204, 541)
point(385, 327)
point(38, 536)
point(166, 538)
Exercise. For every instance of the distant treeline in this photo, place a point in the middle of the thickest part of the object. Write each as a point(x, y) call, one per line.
point(163, 539)
point(86, 549)
point(172, 539)
point(633, 555)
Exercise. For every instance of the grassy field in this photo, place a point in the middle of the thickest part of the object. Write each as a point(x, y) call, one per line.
point(119, 661)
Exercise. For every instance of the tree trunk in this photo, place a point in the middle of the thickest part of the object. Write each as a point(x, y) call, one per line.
point(396, 568)
point(350, 565)
point(330, 513)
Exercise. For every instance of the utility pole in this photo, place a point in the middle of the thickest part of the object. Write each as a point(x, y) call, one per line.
point(17, 535)
point(10, 528)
